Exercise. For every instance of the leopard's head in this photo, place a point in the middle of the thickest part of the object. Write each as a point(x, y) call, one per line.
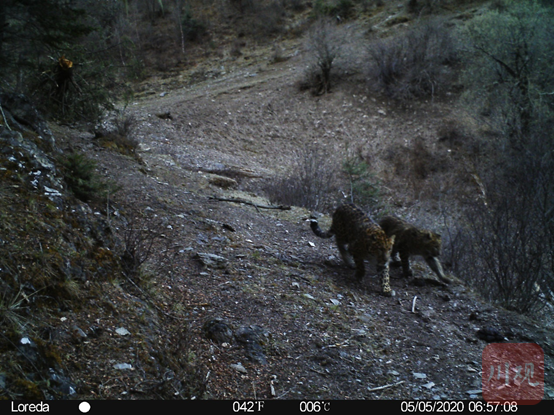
point(431, 243)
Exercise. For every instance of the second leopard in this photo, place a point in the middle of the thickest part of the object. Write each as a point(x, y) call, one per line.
point(411, 240)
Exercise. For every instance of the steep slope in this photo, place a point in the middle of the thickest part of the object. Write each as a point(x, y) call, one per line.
point(322, 335)
point(200, 295)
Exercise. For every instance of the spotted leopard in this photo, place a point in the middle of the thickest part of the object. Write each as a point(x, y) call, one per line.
point(410, 240)
point(358, 238)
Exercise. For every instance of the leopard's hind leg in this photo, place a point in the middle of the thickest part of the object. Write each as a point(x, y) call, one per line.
point(345, 254)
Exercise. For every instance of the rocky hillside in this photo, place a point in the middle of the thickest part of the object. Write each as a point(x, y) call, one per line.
point(173, 276)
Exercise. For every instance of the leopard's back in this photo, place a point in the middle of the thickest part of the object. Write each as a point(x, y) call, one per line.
point(365, 238)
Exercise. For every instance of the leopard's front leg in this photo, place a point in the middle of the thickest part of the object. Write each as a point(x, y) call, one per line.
point(383, 271)
point(405, 259)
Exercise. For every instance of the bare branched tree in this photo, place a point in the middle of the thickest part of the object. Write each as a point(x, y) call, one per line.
point(325, 41)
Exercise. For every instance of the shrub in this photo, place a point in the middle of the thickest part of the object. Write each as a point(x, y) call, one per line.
point(312, 81)
point(319, 182)
point(499, 254)
point(266, 20)
point(296, 5)
point(192, 28)
point(341, 9)
point(507, 236)
point(146, 249)
point(81, 178)
point(261, 19)
point(141, 241)
point(364, 185)
point(412, 64)
point(242, 5)
point(313, 182)
point(424, 6)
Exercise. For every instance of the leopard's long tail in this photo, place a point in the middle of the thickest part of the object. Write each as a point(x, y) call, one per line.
point(318, 231)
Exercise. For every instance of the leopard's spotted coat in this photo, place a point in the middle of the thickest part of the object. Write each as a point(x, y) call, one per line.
point(359, 238)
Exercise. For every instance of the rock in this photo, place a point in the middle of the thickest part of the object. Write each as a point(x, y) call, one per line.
point(427, 315)
point(212, 260)
point(218, 330)
point(238, 367)
point(359, 333)
point(228, 227)
point(61, 383)
point(22, 114)
point(222, 181)
point(490, 335)
point(122, 331)
point(253, 338)
point(445, 297)
point(95, 332)
point(25, 157)
point(474, 316)
point(123, 366)
point(326, 357)
point(78, 333)
point(106, 128)
point(164, 115)
point(26, 147)
point(28, 349)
